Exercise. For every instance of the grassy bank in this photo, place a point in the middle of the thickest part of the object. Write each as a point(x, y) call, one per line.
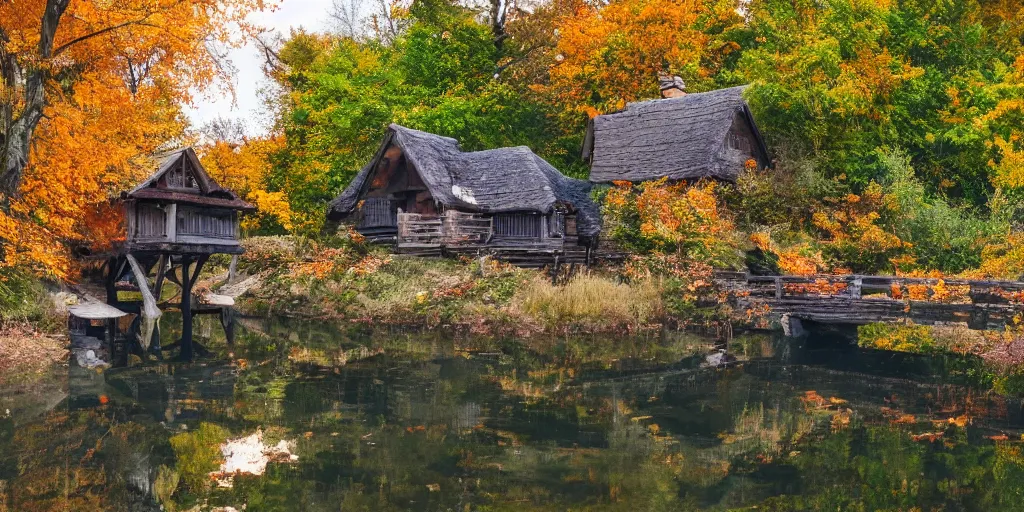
point(32, 336)
point(344, 279)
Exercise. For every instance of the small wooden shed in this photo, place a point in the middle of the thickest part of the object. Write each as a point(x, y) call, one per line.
point(180, 208)
point(173, 222)
point(423, 192)
point(680, 137)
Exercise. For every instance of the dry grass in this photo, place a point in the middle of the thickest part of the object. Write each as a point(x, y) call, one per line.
point(25, 353)
point(591, 300)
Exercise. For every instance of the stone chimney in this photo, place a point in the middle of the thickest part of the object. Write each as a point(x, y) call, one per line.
point(671, 86)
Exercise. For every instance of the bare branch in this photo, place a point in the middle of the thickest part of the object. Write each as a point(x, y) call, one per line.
point(62, 48)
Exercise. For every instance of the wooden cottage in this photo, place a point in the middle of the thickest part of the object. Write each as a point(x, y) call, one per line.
point(679, 137)
point(173, 222)
point(422, 191)
point(179, 208)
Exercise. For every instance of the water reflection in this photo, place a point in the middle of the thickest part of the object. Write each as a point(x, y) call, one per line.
point(409, 421)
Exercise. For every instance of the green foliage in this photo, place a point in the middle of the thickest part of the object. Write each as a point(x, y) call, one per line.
point(943, 237)
point(839, 80)
point(900, 338)
point(198, 454)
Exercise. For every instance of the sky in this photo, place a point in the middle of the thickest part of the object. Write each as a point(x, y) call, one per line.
point(246, 104)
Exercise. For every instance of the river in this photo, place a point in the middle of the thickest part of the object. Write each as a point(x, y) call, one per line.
point(354, 418)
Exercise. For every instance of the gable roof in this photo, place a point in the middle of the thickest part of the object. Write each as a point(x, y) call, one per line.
point(210, 192)
point(491, 181)
point(679, 138)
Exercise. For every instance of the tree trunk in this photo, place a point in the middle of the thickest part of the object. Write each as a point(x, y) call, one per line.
point(18, 131)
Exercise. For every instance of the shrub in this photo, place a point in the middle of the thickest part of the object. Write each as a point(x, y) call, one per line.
point(672, 218)
point(854, 234)
point(592, 300)
point(942, 237)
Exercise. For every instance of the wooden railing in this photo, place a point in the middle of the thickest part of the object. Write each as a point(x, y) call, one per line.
point(377, 212)
point(863, 299)
point(459, 228)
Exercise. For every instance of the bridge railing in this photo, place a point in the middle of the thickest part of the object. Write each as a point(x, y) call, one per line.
point(868, 287)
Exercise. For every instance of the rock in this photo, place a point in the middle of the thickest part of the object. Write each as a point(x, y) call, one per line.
point(86, 358)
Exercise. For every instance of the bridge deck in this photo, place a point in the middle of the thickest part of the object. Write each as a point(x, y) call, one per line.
point(859, 299)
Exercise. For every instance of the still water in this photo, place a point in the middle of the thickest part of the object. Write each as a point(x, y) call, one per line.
point(363, 419)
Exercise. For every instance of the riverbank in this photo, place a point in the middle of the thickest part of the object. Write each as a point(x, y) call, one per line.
point(344, 279)
point(26, 354)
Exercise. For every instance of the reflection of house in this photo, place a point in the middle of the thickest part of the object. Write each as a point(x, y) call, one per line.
point(679, 137)
point(428, 194)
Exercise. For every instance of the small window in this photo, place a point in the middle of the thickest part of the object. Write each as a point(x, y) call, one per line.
point(738, 142)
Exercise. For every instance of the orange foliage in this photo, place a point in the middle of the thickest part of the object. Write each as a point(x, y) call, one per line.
point(609, 54)
point(853, 230)
point(114, 82)
point(818, 287)
point(793, 260)
point(244, 168)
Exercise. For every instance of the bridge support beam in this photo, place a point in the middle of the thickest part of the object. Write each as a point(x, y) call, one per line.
point(792, 327)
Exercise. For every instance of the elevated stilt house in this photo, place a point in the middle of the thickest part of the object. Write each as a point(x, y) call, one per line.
point(173, 222)
point(708, 135)
point(424, 193)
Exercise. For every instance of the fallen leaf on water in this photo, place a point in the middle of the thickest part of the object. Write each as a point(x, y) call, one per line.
point(927, 436)
point(905, 419)
point(960, 421)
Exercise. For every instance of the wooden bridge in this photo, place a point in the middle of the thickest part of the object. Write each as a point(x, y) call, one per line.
point(861, 299)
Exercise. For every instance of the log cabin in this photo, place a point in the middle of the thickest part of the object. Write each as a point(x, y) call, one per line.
point(423, 192)
point(708, 135)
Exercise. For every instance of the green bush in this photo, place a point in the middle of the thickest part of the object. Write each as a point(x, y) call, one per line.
point(943, 237)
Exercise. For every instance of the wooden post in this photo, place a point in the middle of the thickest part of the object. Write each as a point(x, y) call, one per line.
point(856, 287)
point(186, 309)
point(109, 281)
point(161, 271)
point(232, 268)
point(227, 320)
point(778, 288)
point(171, 222)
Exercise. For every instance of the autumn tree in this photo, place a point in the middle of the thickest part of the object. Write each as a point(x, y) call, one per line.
point(608, 55)
point(88, 89)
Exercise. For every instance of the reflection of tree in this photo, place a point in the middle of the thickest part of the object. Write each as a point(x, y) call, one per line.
point(416, 422)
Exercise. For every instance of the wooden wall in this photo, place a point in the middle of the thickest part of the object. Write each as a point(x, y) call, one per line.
point(518, 225)
point(206, 225)
point(740, 146)
point(177, 223)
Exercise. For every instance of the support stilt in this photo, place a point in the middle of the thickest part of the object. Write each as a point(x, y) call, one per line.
point(187, 352)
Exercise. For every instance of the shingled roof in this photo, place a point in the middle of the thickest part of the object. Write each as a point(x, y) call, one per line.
point(210, 193)
point(679, 138)
point(491, 181)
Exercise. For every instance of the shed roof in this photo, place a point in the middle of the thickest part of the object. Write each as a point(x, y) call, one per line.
point(491, 181)
point(678, 138)
point(210, 192)
point(93, 310)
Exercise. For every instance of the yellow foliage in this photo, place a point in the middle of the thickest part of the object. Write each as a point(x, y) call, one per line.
point(619, 48)
point(245, 168)
point(1009, 172)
